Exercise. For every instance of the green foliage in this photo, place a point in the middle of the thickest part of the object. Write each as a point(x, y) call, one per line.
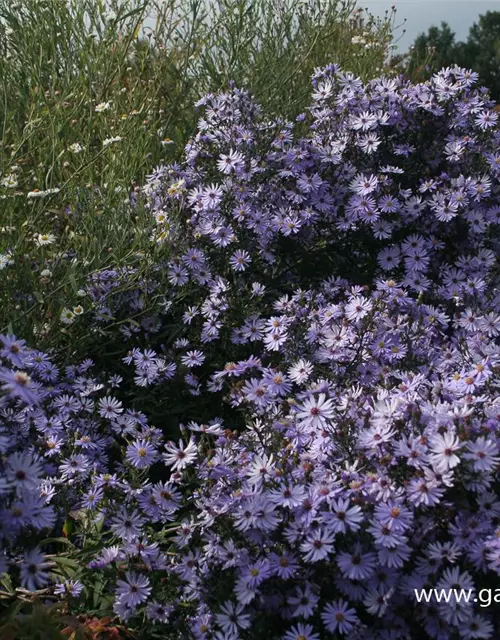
point(33, 622)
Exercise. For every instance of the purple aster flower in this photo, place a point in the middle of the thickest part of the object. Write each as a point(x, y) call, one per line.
point(13, 349)
point(240, 260)
point(92, 498)
point(71, 588)
point(300, 371)
point(443, 451)
point(228, 163)
point(23, 471)
point(343, 517)
point(304, 603)
point(33, 570)
point(284, 565)
point(318, 545)
point(134, 590)
point(486, 119)
point(261, 469)
point(18, 384)
point(110, 407)
point(193, 359)
point(180, 457)
point(316, 412)
point(232, 617)
point(127, 524)
point(301, 632)
point(483, 453)
point(159, 612)
point(339, 617)
point(255, 573)
point(356, 565)
point(141, 454)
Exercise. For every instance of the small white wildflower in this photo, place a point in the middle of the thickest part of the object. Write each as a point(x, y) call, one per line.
point(160, 217)
point(46, 273)
point(5, 260)
point(76, 147)
point(108, 141)
point(42, 239)
point(10, 181)
point(177, 187)
point(103, 106)
point(80, 293)
point(78, 310)
point(36, 193)
point(67, 316)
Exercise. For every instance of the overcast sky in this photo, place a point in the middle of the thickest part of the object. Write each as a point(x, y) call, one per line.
point(421, 14)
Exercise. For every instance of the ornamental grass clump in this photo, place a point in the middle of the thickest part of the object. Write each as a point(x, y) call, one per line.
point(315, 341)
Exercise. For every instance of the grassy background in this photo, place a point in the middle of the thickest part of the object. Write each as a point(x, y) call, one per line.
point(147, 63)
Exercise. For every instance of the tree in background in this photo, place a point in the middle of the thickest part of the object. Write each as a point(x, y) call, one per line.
point(432, 51)
point(481, 52)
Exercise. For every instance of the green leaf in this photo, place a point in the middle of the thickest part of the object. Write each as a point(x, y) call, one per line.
point(66, 562)
point(97, 592)
point(6, 582)
point(58, 540)
point(72, 281)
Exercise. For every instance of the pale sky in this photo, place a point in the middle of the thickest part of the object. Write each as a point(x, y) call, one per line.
point(422, 14)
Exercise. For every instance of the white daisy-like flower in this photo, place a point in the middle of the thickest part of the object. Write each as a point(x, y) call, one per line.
point(176, 187)
point(78, 310)
point(108, 141)
point(42, 239)
point(10, 181)
point(103, 106)
point(37, 193)
point(67, 316)
point(160, 217)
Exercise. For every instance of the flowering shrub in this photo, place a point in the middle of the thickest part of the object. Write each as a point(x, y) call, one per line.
point(326, 306)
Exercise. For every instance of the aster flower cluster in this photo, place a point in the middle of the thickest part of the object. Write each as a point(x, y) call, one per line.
point(334, 286)
point(420, 196)
point(367, 470)
point(255, 208)
point(58, 429)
